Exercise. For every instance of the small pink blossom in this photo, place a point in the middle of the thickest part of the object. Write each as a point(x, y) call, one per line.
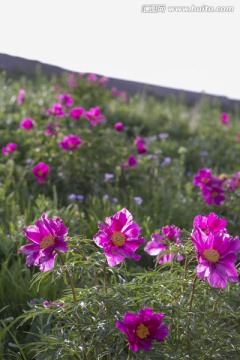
point(71, 81)
point(9, 148)
point(162, 241)
point(21, 96)
point(123, 96)
point(77, 112)
point(65, 99)
point(92, 78)
point(27, 124)
point(225, 119)
point(94, 116)
point(119, 126)
point(114, 91)
point(40, 171)
point(51, 129)
point(70, 142)
point(56, 110)
point(103, 81)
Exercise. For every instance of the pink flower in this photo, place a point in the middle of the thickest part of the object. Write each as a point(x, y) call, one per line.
point(119, 126)
point(71, 81)
point(225, 119)
point(56, 110)
point(46, 237)
point(70, 142)
point(217, 255)
point(141, 148)
point(103, 81)
point(143, 328)
point(161, 241)
point(123, 96)
point(65, 99)
point(203, 177)
point(40, 171)
point(21, 96)
point(234, 182)
point(49, 303)
point(213, 194)
point(119, 237)
point(210, 223)
point(27, 124)
point(94, 116)
point(9, 148)
point(77, 112)
point(114, 91)
point(92, 78)
point(51, 129)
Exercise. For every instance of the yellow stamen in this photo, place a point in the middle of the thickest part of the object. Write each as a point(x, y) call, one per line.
point(214, 194)
point(40, 173)
point(211, 255)
point(142, 331)
point(47, 241)
point(118, 238)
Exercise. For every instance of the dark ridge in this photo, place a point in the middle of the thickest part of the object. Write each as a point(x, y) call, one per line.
point(16, 67)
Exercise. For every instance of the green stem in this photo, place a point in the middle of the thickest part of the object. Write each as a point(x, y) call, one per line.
point(192, 294)
point(70, 279)
point(105, 276)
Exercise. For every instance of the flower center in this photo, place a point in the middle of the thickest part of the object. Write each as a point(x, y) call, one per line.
point(142, 331)
point(211, 255)
point(118, 238)
point(214, 194)
point(40, 173)
point(47, 241)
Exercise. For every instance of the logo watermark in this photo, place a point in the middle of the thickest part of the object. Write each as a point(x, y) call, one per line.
point(162, 8)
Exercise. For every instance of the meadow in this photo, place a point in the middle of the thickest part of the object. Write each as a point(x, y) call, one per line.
point(119, 224)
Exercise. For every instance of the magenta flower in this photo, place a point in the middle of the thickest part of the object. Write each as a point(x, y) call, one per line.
point(70, 142)
point(56, 110)
point(71, 81)
point(21, 96)
point(123, 96)
point(77, 112)
point(49, 303)
point(92, 78)
point(9, 148)
point(94, 116)
point(51, 129)
point(119, 237)
point(103, 81)
point(210, 223)
point(161, 241)
point(114, 91)
point(213, 194)
point(65, 99)
point(217, 255)
point(143, 328)
point(40, 171)
point(225, 119)
point(46, 237)
point(234, 182)
point(119, 126)
point(203, 177)
point(141, 149)
point(27, 124)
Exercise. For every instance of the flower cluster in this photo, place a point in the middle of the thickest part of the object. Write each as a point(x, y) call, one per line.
point(216, 250)
point(211, 186)
point(9, 148)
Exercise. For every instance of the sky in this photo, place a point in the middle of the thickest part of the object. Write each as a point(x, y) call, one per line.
point(196, 51)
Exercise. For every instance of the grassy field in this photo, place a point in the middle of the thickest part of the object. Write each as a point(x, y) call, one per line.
point(146, 165)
